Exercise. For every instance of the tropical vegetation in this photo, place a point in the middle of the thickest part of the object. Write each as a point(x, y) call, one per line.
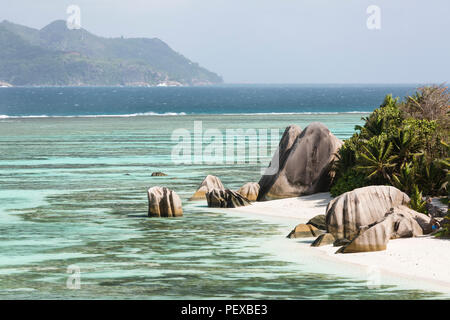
point(403, 143)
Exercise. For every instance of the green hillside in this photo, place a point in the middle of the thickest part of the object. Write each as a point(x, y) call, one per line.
point(56, 55)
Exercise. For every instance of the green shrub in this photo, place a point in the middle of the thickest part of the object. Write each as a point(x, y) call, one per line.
point(405, 179)
point(417, 202)
point(376, 159)
point(445, 232)
point(346, 156)
point(347, 182)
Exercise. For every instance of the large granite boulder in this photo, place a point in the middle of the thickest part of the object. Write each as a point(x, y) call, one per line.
point(163, 202)
point(304, 161)
point(219, 198)
point(398, 223)
point(278, 161)
point(249, 190)
point(361, 207)
point(209, 183)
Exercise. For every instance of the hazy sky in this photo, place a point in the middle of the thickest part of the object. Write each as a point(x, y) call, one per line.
point(275, 41)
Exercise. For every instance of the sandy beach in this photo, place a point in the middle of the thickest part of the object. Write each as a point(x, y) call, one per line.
point(410, 260)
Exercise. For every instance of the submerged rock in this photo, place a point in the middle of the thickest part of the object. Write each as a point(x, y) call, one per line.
point(361, 207)
point(219, 198)
point(302, 164)
point(318, 222)
point(249, 190)
point(304, 231)
point(323, 239)
point(163, 202)
point(209, 183)
point(158, 174)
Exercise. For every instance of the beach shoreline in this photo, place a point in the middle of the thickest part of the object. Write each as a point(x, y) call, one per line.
point(420, 263)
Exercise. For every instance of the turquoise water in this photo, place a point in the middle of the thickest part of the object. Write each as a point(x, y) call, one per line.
point(73, 192)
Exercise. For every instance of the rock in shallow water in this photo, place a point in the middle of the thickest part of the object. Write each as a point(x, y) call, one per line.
point(301, 166)
point(209, 183)
point(158, 174)
point(218, 198)
point(163, 202)
point(249, 190)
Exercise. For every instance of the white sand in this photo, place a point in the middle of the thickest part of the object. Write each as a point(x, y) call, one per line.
point(302, 208)
point(423, 261)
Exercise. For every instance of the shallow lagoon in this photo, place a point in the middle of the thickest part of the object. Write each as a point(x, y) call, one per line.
point(73, 192)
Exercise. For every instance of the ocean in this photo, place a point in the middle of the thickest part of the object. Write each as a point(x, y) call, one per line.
point(75, 164)
point(230, 99)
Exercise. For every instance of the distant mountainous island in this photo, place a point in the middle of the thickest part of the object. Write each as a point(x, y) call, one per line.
point(58, 56)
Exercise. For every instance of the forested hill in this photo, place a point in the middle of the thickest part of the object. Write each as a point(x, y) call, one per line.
point(56, 55)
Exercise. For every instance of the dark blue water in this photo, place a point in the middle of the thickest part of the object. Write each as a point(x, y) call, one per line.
point(75, 101)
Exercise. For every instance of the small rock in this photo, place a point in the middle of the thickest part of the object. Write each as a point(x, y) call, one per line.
point(434, 210)
point(249, 190)
point(318, 222)
point(304, 231)
point(158, 174)
point(218, 198)
point(209, 183)
point(323, 239)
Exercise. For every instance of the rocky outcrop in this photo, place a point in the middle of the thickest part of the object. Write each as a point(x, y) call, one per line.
point(209, 183)
point(158, 174)
point(163, 202)
point(323, 239)
point(304, 231)
point(219, 198)
point(318, 222)
point(400, 222)
point(278, 161)
point(302, 163)
point(249, 190)
point(361, 207)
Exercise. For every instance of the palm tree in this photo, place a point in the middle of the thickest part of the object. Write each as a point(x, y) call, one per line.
point(416, 201)
point(373, 127)
point(432, 176)
point(445, 165)
point(406, 145)
point(405, 179)
point(375, 159)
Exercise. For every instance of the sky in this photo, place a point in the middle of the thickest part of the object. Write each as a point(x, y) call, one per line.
point(276, 41)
